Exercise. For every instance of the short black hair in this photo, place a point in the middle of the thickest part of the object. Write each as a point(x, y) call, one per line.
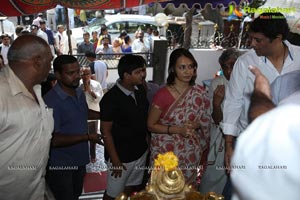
point(42, 21)
point(5, 35)
point(19, 29)
point(61, 60)
point(86, 33)
point(128, 63)
point(271, 25)
point(90, 54)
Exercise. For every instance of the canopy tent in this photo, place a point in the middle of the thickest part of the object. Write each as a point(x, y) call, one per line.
point(25, 7)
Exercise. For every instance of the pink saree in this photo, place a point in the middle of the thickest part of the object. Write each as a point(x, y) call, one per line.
point(193, 104)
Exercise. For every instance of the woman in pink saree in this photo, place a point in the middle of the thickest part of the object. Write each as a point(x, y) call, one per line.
point(179, 117)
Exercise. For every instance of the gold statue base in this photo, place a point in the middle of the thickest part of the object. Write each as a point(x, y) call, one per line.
point(169, 185)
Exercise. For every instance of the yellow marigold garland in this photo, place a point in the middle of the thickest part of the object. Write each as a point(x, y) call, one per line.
point(168, 161)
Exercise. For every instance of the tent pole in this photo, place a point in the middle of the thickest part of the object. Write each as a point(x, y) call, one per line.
point(2, 28)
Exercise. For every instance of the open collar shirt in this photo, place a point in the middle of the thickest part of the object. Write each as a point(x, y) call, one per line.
point(241, 86)
point(126, 91)
point(70, 118)
point(25, 132)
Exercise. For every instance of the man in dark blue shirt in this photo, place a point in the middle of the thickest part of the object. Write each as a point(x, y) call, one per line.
point(69, 146)
point(49, 33)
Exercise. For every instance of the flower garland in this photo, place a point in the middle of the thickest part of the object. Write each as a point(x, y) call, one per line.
point(168, 161)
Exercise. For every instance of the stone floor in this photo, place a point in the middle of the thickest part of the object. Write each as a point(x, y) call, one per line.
point(99, 165)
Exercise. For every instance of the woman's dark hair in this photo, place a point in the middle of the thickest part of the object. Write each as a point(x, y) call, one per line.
point(123, 33)
point(271, 25)
point(126, 39)
point(177, 53)
point(61, 60)
point(103, 28)
point(128, 63)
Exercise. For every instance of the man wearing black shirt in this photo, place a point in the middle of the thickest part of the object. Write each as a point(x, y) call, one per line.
point(123, 117)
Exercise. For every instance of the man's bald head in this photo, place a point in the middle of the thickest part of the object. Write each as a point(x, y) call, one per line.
point(30, 58)
point(26, 47)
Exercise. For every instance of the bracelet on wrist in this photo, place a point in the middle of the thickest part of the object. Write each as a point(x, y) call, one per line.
point(168, 129)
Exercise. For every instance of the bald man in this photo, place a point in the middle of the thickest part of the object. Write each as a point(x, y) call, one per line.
point(26, 124)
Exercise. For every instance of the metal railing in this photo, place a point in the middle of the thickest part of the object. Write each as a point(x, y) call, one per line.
point(112, 60)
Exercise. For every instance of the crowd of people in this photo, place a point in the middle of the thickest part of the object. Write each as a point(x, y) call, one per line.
point(224, 136)
point(60, 40)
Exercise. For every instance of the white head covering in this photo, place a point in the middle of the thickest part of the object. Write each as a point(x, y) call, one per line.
point(269, 153)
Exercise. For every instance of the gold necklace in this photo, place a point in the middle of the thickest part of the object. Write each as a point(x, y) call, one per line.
point(177, 90)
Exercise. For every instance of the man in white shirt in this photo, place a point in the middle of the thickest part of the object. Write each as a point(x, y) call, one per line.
point(139, 45)
point(273, 55)
point(38, 32)
point(98, 69)
point(59, 40)
point(267, 151)
point(37, 20)
point(214, 179)
point(5, 47)
point(26, 124)
point(93, 94)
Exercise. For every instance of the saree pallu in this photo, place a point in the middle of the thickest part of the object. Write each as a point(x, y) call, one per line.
point(193, 104)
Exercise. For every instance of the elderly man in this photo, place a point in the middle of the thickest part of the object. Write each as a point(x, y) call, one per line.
point(140, 45)
point(26, 124)
point(93, 94)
